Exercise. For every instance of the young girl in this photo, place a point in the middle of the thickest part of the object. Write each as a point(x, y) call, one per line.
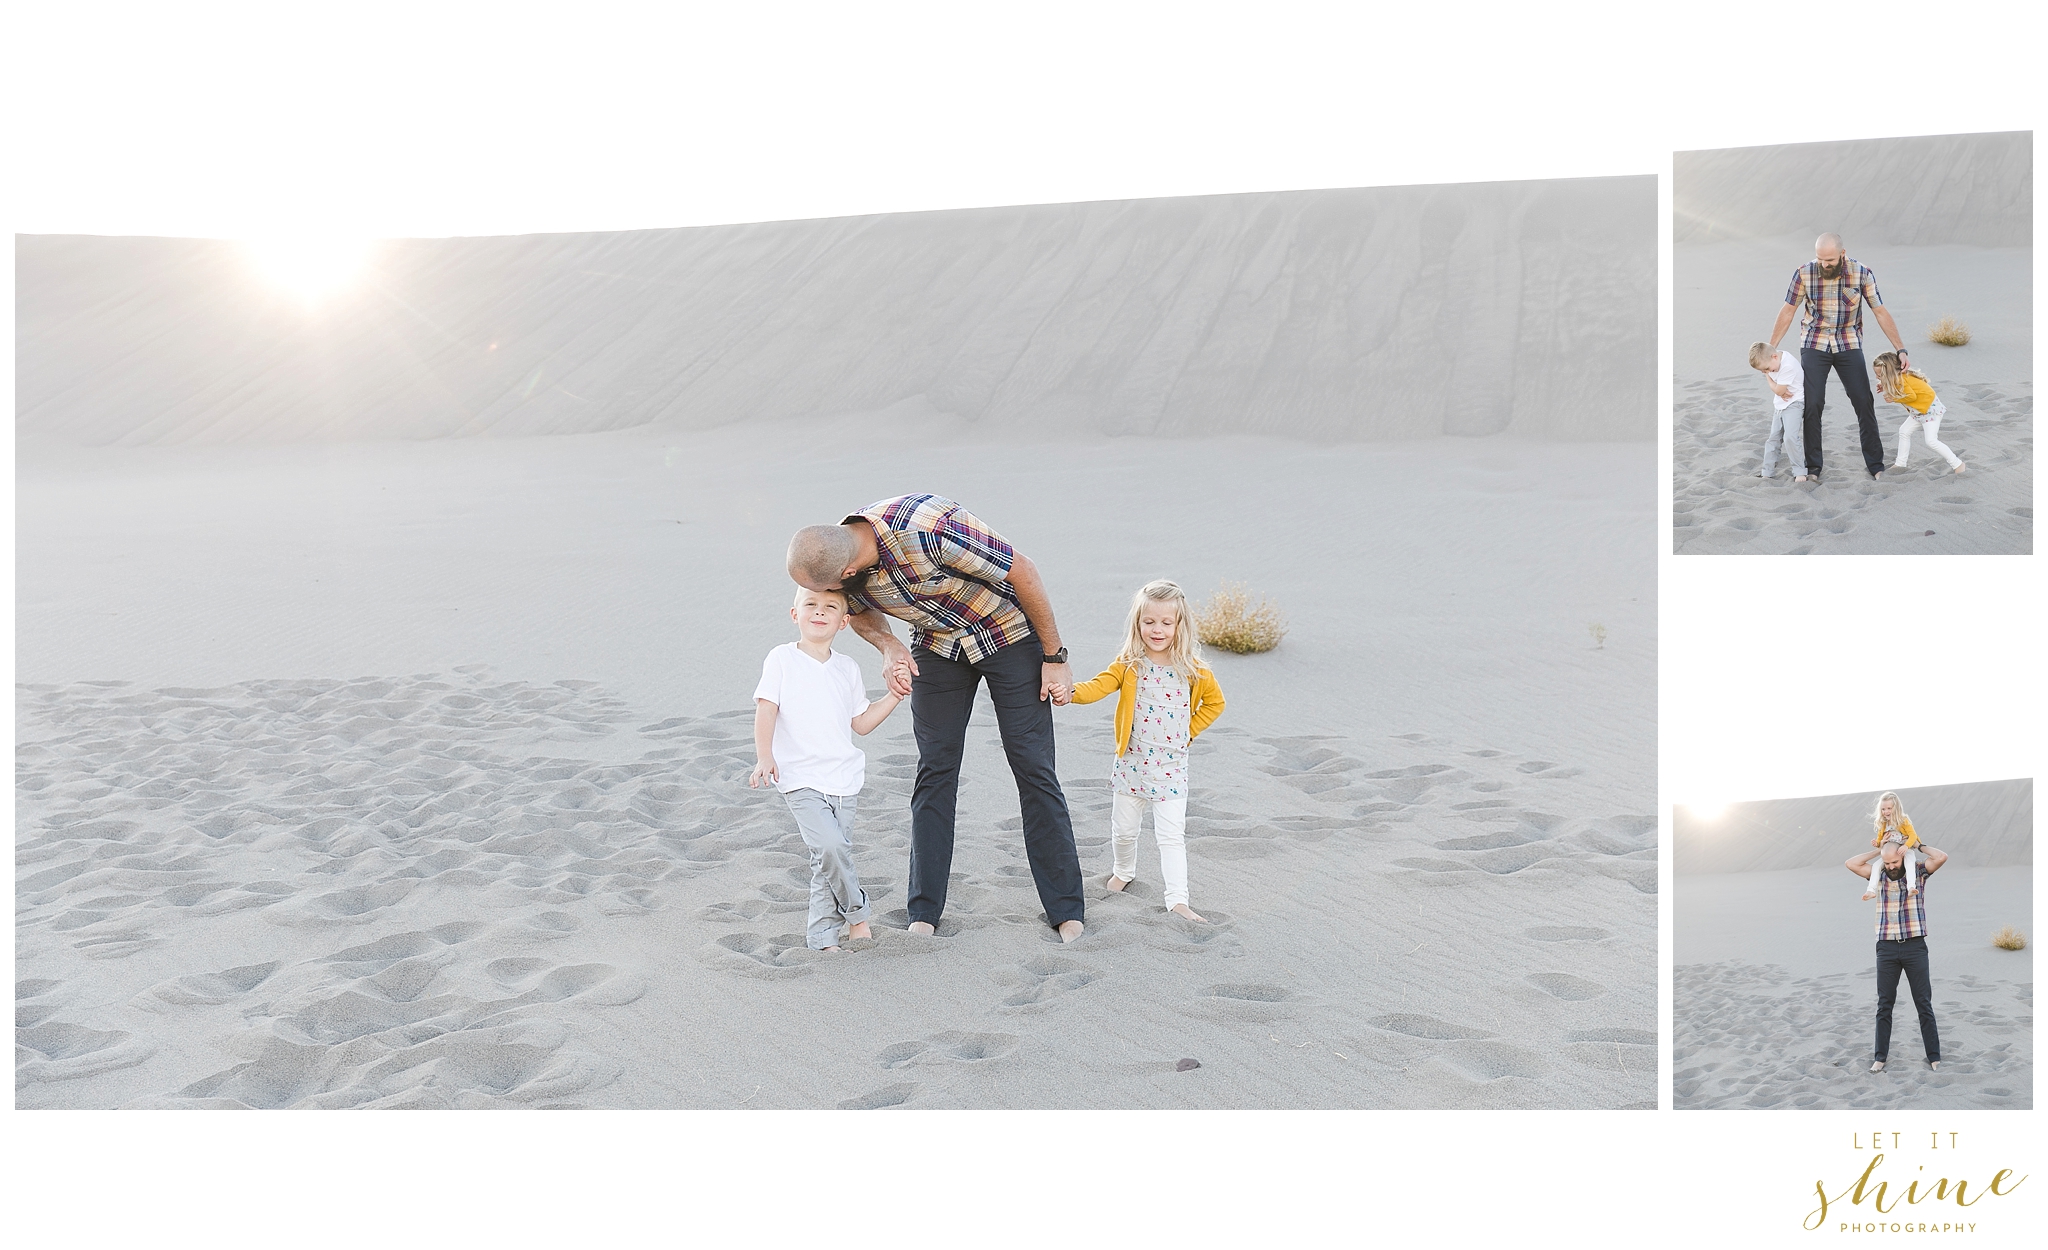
point(1924, 408)
point(1893, 825)
point(1165, 697)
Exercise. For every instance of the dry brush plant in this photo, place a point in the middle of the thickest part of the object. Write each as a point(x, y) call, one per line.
point(1949, 332)
point(1599, 633)
point(2009, 939)
point(1232, 622)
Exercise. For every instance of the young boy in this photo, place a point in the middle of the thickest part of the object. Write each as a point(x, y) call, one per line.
point(1787, 380)
point(808, 697)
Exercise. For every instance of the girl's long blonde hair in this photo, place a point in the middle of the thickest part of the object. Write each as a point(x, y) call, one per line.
point(1187, 651)
point(1889, 374)
point(1901, 823)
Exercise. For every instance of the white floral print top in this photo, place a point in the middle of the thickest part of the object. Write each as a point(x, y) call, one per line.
point(1154, 764)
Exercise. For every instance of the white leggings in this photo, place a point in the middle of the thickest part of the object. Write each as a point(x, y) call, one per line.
point(1169, 824)
point(1928, 425)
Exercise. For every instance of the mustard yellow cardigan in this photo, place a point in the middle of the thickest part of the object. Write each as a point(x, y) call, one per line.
point(1204, 705)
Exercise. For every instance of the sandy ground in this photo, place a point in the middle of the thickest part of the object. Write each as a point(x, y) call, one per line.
point(1726, 296)
point(413, 774)
point(1774, 994)
point(1774, 990)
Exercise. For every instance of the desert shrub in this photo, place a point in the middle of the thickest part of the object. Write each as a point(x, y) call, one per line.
point(1231, 621)
point(2009, 939)
point(1949, 332)
point(1599, 633)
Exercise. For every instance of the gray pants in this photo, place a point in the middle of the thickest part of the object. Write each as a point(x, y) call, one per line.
point(826, 821)
point(1787, 430)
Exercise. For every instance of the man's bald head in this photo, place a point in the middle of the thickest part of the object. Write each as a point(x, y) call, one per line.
point(1827, 242)
point(819, 556)
point(1894, 854)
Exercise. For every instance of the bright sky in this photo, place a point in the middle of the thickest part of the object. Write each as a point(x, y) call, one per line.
point(378, 119)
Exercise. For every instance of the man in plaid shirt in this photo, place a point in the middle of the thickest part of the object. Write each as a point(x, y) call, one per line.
point(1833, 289)
point(977, 611)
point(1901, 942)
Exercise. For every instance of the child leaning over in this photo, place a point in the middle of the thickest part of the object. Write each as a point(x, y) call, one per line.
point(1904, 385)
point(809, 698)
point(1787, 380)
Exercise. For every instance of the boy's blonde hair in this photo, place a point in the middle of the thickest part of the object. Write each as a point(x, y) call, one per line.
point(1761, 352)
point(801, 591)
point(1901, 823)
point(1890, 372)
point(1187, 651)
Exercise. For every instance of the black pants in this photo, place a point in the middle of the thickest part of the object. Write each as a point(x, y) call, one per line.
point(941, 700)
point(1910, 957)
point(1855, 377)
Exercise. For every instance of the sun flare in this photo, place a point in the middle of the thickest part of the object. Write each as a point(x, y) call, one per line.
point(309, 267)
point(1709, 810)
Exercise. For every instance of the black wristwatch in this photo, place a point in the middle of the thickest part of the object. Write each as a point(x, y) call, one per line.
point(1057, 657)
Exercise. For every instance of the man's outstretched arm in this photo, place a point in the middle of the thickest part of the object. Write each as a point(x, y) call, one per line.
point(1784, 323)
point(1860, 864)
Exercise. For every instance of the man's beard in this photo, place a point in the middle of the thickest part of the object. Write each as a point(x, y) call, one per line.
point(1831, 271)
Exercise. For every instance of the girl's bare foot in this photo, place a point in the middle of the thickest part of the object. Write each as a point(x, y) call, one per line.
point(1116, 883)
point(919, 928)
point(1070, 929)
point(1961, 467)
point(859, 932)
point(1182, 909)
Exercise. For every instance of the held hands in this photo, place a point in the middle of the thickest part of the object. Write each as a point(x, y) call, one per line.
point(898, 667)
point(763, 774)
point(1056, 682)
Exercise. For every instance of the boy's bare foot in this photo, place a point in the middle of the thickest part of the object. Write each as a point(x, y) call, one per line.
point(1182, 909)
point(920, 929)
point(1115, 883)
point(859, 932)
point(1070, 929)
point(830, 950)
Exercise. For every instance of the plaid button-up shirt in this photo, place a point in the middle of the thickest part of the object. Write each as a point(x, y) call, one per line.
point(1901, 913)
point(943, 572)
point(1832, 320)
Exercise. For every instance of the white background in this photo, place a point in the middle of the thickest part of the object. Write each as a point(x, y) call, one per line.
point(426, 119)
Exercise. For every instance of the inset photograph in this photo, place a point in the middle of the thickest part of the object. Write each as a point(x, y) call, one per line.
point(1856, 951)
point(1852, 335)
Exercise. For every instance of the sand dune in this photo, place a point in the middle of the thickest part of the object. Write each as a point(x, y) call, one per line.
point(1381, 313)
point(1975, 189)
point(1983, 824)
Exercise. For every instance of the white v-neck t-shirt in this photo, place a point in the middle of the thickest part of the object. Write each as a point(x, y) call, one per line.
point(814, 709)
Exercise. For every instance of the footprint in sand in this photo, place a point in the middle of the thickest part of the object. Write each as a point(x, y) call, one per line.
point(878, 1099)
point(211, 988)
point(766, 959)
point(1566, 986)
point(951, 1046)
point(1040, 980)
point(1429, 1027)
point(1257, 1003)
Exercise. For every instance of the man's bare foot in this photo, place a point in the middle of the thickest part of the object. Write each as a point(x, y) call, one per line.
point(1070, 929)
point(1182, 909)
point(1115, 883)
point(1935, 1064)
point(859, 932)
point(920, 929)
